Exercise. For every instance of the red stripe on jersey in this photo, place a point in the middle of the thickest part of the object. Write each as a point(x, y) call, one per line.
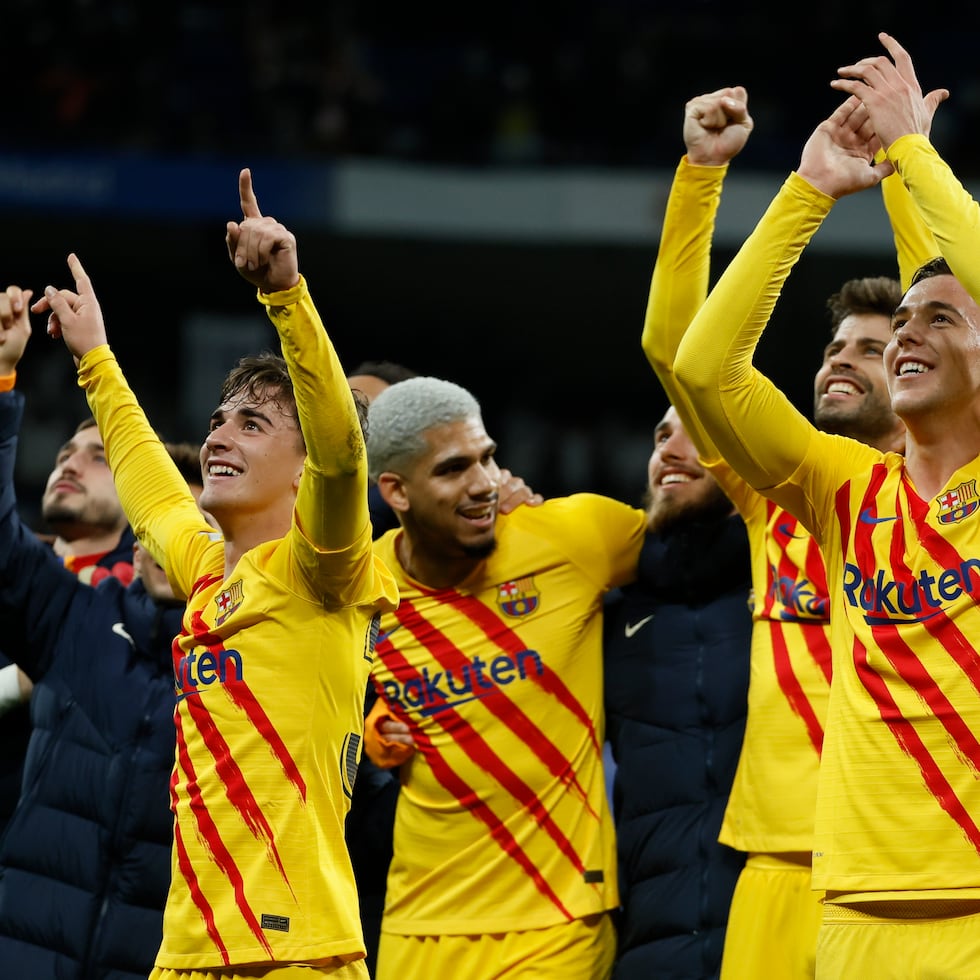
point(910, 743)
point(204, 582)
point(499, 633)
point(208, 833)
point(184, 861)
point(497, 703)
point(227, 768)
point(469, 797)
point(788, 681)
point(241, 694)
point(903, 659)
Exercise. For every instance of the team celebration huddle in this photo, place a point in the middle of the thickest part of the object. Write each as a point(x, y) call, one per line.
point(336, 693)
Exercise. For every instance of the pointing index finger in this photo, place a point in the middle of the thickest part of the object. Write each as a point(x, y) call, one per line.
point(83, 285)
point(250, 204)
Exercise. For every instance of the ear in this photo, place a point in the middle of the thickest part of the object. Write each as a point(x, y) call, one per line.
point(394, 492)
point(298, 476)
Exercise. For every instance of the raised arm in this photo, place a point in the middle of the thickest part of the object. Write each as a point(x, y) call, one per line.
point(153, 494)
point(914, 243)
point(755, 427)
point(902, 117)
point(716, 128)
point(332, 499)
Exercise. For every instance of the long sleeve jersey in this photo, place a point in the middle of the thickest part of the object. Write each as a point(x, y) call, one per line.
point(270, 665)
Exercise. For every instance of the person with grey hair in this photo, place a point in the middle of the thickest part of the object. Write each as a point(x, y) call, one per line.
point(489, 676)
point(403, 420)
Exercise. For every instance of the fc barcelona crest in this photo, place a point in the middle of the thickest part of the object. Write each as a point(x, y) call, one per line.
point(957, 504)
point(518, 598)
point(228, 601)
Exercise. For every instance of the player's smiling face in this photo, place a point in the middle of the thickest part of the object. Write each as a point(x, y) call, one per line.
point(850, 389)
point(252, 458)
point(677, 484)
point(451, 491)
point(932, 361)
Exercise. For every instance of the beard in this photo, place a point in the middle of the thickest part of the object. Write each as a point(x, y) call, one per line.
point(65, 520)
point(484, 550)
point(665, 511)
point(868, 422)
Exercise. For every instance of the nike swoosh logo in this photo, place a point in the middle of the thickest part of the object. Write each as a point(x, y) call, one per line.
point(631, 629)
point(787, 531)
point(384, 636)
point(121, 630)
point(866, 517)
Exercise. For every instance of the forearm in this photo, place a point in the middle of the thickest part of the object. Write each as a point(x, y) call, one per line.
point(333, 499)
point(914, 243)
point(150, 487)
point(680, 278)
point(754, 426)
point(947, 208)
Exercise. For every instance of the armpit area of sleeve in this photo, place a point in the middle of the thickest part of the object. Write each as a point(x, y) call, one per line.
point(284, 297)
point(90, 362)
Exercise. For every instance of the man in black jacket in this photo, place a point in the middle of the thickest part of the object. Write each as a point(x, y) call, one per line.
point(676, 654)
point(85, 861)
point(87, 529)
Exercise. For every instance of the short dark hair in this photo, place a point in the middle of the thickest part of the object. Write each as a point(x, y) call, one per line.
point(265, 375)
point(934, 267)
point(260, 376)
point(388, 371)
point(870, 294)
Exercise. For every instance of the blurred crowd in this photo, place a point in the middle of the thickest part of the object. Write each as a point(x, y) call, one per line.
point(516, 84)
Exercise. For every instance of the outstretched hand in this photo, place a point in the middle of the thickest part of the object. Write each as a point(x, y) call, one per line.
point(15, 327)
point(262, 249)
point(838, 157)
point(716, 126)
point(890, 92)
point(74, 316)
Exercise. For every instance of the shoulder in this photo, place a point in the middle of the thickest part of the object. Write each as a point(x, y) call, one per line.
point(567, 512)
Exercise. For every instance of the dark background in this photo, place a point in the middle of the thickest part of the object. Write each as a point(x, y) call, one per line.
point(546, 334)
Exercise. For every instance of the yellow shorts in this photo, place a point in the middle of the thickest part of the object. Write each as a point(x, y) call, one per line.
point(344, 971)
point(773, 920)
point(925, 940)
point(579, 950)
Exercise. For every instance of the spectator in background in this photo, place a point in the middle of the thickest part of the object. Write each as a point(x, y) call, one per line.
point(372, 377)
point(89, 533)
point(85, 861)
point(676, 655)
point(369, 379)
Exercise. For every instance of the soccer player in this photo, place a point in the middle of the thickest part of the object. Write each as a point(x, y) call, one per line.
point(504, 849)
point(897, 847)
point(775, 914)
point(277, 639)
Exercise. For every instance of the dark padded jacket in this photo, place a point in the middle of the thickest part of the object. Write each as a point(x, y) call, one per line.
point(676, 674)
point(85, 858)
point(15, 724)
